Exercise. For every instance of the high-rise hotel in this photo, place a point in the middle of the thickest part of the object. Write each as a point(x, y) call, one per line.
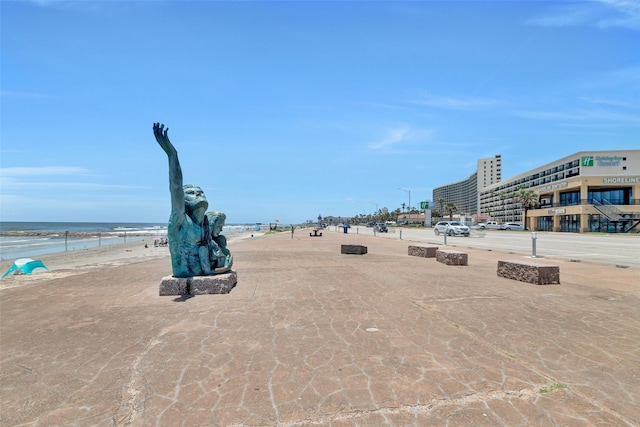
point(465, 194)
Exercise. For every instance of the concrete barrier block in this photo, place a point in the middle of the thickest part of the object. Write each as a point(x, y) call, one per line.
point(530, 272)
point(423, 251)
point(450, 257)
point(353, 249)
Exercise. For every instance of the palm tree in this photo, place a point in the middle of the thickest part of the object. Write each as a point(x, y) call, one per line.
point(441, 203)
point(528, 199)
point(450, 208)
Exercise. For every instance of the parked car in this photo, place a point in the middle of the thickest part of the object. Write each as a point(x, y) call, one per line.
point(381, 227)
point(511, 226)
point(371, 224)
point(451, 228)
point(489, 225)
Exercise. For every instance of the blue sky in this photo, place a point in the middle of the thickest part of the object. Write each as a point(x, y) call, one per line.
point(286, 110)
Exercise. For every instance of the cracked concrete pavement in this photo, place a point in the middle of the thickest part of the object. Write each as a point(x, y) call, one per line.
point(313, 337)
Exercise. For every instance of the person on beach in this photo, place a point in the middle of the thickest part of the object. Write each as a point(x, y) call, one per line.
point(193, 252)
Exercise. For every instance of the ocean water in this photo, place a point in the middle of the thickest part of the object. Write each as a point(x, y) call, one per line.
point(31, 239)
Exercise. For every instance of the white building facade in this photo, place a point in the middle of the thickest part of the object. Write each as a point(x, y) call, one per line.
point(465, 194)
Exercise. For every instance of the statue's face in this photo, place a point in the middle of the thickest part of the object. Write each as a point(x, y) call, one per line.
point(216, 222)
point(217, 227)
point(194, 198)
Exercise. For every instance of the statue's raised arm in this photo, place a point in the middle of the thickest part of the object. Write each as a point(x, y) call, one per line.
point(175, 171)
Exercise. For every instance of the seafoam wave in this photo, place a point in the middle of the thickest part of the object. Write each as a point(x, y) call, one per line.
point(29, 239)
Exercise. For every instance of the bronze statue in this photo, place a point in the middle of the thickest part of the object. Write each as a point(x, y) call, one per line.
point(194, 249)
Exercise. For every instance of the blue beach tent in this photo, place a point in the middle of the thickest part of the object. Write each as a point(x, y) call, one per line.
point(25, 266)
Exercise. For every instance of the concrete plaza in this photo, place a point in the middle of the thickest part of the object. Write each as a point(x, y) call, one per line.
point(313, 337)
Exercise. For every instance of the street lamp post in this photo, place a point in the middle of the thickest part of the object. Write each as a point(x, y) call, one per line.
point(409, 207)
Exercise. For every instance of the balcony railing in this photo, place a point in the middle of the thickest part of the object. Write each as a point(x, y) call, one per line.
point(633, 202)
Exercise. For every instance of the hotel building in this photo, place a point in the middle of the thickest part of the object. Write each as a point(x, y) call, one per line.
point(464, 194)
point(588, 191)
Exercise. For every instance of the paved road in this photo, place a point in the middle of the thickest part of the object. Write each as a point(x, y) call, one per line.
point(617, 249)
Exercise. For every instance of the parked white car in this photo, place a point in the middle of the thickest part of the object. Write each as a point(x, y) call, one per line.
point(511, 226)
point(451, 228)
point(489, 225)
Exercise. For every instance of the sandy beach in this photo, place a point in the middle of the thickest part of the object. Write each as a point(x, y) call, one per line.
point(65, 264)
point(313, 337)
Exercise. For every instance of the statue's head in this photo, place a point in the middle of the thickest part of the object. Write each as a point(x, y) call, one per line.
point(194, 199)
point(216, 222)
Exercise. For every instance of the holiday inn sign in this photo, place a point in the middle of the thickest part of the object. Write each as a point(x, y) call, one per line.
point(588, 161)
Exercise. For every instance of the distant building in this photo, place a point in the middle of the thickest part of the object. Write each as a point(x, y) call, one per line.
point(413, 218)
point(464, 194)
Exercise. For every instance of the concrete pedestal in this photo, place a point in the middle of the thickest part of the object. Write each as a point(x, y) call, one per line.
point(199, 285)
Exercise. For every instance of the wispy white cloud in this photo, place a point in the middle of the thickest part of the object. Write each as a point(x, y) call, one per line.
point(628, 74)
point(628, 14)
point(91, 6)
point(607, 102)
point(394, 136)
point(56, 178)
point(565, 16)
point(42, 171)
point(63, 4)
point(381, 105)
point(20, 180)
point(599, 13)
point(61, 186)
point(582, 115)
point(451, 103)
point(45, 3)
point(614, 88)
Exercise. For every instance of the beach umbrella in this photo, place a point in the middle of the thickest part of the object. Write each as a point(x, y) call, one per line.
point(25, 266)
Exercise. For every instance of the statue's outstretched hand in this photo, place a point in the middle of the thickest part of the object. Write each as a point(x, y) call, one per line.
point(163, 139)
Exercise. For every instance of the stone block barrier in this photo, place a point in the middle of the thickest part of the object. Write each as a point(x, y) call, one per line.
point(450, 257)
point(353, 249)
point(530, 272)
point(423, 251)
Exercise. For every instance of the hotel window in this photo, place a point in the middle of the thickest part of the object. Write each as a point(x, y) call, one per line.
point(570, 199)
